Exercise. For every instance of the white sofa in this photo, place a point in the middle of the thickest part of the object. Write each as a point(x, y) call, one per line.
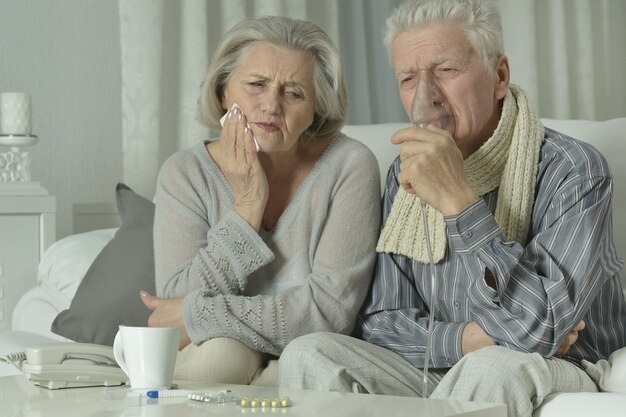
point(66, 262)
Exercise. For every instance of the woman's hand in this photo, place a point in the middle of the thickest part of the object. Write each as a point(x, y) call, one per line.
point(241, 167)
point(166, 312)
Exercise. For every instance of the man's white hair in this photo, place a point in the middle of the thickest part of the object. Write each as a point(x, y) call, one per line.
point(480, 20)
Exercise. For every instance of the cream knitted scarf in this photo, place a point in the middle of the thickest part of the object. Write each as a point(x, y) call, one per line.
point(508, 159)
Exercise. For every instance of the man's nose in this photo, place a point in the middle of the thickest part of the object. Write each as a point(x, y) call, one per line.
point(428, 89)
point(428, 99)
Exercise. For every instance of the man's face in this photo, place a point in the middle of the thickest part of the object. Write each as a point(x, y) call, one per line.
point(472, 92)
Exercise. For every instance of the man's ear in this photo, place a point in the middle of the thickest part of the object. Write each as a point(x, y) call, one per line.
point(503, 77)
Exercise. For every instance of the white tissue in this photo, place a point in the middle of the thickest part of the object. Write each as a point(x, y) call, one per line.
point(223, 120)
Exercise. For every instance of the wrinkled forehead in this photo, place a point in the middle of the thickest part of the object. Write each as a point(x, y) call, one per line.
point(268, 61)
point(421, 48)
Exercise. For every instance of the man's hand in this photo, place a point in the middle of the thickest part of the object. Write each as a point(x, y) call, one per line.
point(474, 338)
point(166, 312)
point(431, 165)
point(569, 340)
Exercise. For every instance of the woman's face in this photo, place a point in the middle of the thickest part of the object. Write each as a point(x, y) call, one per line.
point(473, 93)
point(275, 90)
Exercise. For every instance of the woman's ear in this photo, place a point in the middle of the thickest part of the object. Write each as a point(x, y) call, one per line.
point(503, 77)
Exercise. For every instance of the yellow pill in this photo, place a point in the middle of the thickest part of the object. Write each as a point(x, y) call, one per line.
point(254, 403)
point(285, 402)
point(245, 402)
point(265, 403)
point(275, 403)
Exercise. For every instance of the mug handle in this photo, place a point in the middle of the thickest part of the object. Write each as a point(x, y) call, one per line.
point(118, 351)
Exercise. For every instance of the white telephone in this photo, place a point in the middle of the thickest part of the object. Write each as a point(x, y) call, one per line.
point(69, 364)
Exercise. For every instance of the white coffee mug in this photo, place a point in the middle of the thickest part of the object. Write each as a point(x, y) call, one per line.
point(147, 355)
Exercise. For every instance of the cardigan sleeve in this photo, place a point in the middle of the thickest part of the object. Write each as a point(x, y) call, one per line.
point(328, 297)
point(190, 253)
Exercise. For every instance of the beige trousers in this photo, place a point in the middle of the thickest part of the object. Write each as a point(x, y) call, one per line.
point(331, 362)
point(225, 360)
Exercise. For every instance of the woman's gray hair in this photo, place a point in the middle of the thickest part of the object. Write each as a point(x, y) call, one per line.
point(480, 19)
point(331, 101)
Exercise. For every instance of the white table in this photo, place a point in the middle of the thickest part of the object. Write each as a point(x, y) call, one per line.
point(19, 397)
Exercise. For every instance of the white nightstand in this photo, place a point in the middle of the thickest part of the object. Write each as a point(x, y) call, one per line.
point(27, 228)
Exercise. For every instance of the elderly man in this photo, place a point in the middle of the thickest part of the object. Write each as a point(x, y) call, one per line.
point(517, 235)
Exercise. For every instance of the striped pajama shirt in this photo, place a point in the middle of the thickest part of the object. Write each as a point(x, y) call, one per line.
point(567, 272)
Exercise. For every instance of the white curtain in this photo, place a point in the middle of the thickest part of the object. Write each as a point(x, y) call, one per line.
point(568, 55)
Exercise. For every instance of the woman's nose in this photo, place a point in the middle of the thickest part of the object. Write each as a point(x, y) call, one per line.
point(271, 102)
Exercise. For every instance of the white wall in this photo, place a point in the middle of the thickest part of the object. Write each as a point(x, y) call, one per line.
point(67, 55)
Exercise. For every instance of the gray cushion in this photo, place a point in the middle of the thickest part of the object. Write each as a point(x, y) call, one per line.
point(109, 293)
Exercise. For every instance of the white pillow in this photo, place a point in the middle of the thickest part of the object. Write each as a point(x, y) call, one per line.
point(66, 261)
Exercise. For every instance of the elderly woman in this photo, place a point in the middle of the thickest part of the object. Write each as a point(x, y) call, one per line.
point(256, 246)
